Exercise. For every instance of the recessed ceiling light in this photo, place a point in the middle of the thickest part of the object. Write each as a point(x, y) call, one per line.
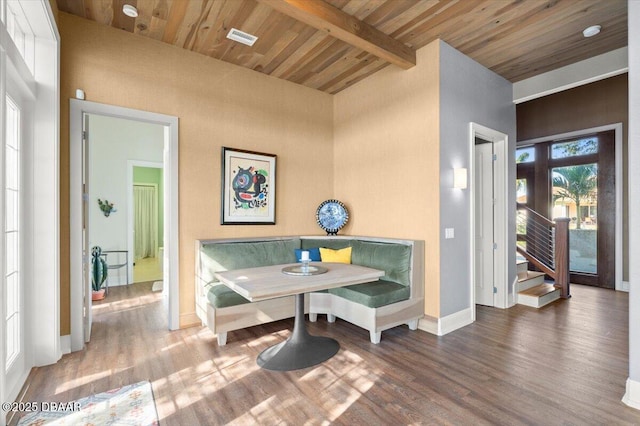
point(129, 10)
point(591, 31)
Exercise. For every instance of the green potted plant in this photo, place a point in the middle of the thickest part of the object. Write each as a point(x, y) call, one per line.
point(98, 273)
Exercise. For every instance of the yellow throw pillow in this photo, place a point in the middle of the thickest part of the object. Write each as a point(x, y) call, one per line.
point(336, 256)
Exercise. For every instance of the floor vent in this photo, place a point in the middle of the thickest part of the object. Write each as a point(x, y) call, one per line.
point(241, 37)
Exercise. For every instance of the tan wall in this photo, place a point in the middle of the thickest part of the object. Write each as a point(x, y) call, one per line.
point(386, 133)
point(217, 104)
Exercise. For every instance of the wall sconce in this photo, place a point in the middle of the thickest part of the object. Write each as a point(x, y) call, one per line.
point(460, 178)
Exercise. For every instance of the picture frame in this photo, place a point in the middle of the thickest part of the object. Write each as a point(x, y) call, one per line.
point(248, 187)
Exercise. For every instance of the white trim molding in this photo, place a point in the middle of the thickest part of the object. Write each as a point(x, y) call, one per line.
point(632, 394)
point(78, 109)
point(445, 325)
point(65, 344)
point(500, 143)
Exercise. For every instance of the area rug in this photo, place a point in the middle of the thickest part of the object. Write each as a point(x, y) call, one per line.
point(128, 405)
point(157, 286)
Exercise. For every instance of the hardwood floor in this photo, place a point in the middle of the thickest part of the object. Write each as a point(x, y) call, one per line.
point(566, 363)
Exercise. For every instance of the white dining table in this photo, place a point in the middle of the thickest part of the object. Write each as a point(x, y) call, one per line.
point(301, 349)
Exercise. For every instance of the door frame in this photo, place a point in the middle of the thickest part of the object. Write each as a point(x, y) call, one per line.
point(479, 191)
point(78, 109)
point(620, 285)
point(501, 213)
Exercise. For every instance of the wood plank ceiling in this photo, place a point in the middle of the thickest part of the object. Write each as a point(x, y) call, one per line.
point(517, 39)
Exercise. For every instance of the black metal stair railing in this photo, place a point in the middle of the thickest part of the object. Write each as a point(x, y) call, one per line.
point(544, 243)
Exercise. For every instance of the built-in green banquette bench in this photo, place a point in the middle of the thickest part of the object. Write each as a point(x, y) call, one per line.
point(396, 299)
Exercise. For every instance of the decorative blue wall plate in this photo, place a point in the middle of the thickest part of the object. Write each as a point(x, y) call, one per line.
point(332, 215)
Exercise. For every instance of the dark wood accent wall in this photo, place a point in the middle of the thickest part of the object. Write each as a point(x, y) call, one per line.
point(596, 104)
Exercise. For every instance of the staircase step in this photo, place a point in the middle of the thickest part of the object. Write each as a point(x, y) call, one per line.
point(522, 266)
point(531, 279)
point(538, 296)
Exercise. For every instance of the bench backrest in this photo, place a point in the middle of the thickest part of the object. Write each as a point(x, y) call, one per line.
point(393, 257)
point(402, 260)
point(225, 255)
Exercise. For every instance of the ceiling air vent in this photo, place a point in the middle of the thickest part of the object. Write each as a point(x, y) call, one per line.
point(241, 37)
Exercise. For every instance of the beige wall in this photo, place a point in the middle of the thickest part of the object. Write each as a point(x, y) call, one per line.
point(386, 161)
point(217, 104)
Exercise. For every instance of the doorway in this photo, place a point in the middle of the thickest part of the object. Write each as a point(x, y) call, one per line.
point(146, 221)
point(80, 186)
point(575, 177)
point(490, 256)
point(484, 222)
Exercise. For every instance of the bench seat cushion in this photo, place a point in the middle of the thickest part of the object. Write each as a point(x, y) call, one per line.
point(221, 296)
point(375, 294)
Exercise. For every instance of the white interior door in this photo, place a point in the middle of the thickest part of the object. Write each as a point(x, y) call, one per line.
point(484, 224)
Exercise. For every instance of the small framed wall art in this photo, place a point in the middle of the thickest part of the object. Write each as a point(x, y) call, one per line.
point(248, 188)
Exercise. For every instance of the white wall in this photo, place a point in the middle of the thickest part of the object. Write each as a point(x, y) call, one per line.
point(114, 141)
point(632, 396)
point(469, 92)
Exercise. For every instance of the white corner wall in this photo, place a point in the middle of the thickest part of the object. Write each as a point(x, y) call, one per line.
point(632, 395)
point(113, 142)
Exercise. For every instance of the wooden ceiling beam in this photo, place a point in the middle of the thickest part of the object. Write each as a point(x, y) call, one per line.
point(345, 27)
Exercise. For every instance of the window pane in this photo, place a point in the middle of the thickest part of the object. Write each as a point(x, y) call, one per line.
point(521, 191)
point(12, 294)
point(13, 333)
point(573, 148)
point(12, 168)
point(11, 242)
point(12, 252)
point(12, 124)
point(525, 155)
point(11, 221)
point(575, 195)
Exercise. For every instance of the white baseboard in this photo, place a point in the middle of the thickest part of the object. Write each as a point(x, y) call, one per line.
point(445, 325)
point(624, 286)
point(514, 295)
point(428, 324)
point(632, 395)
point(65, 344)
point(190, 319)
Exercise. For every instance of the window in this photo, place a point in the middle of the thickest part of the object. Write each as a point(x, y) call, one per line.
point(12, 231)
point(29, 190)
point(570, 149)
point(18, 28)
point(525, 155)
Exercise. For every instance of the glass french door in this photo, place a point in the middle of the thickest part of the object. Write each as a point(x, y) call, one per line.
point(576, 179)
